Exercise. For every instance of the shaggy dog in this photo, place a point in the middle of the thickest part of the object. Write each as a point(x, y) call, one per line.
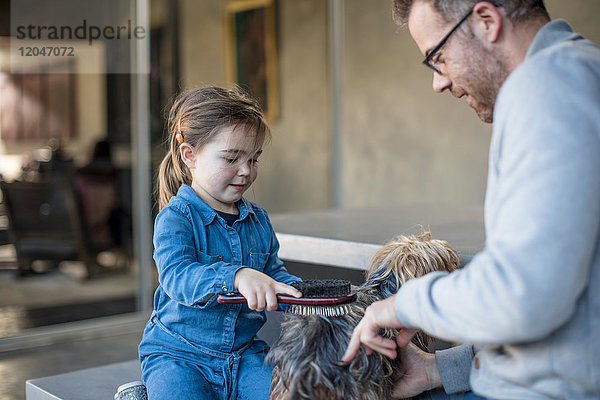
point(306, 357)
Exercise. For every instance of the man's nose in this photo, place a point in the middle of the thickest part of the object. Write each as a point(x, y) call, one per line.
point(441, 82)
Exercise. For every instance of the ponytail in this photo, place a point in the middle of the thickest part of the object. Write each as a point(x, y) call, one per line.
point(172, 173)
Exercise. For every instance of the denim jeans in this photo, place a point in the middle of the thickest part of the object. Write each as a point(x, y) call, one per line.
point(439, 394)
point(173, 368)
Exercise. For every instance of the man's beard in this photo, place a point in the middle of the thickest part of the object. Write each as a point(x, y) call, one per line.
point(484, 78)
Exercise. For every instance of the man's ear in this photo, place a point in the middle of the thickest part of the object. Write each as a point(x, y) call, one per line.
point(188, 155)
point(488, 21)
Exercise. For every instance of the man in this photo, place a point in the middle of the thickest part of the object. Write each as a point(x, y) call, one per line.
point(528, 306)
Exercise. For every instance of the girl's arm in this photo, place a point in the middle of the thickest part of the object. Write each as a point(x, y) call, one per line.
point(186, 276)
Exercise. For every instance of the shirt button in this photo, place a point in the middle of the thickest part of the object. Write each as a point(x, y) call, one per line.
point(476, 363)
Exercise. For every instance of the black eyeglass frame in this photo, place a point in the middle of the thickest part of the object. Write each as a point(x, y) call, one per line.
point(436, 49)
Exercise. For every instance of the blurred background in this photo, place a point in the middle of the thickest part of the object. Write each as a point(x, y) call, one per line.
point(355, 125)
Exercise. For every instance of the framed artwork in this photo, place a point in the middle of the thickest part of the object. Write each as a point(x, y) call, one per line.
point(251, 59)
point(35, 108)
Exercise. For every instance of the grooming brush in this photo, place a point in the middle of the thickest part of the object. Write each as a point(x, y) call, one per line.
point(329, 298)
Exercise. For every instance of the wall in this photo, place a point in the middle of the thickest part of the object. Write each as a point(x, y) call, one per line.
point(582, 15)
point(294, 169)
point(401, 144)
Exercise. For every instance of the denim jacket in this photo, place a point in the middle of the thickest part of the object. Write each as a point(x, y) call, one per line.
point(197, 256)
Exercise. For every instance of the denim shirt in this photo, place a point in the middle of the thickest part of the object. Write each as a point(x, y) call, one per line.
point(197, 256)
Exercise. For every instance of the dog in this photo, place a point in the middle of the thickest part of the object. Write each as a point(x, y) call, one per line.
point(306, 357)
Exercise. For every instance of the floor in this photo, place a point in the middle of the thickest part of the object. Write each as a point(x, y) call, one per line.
point(53, 299)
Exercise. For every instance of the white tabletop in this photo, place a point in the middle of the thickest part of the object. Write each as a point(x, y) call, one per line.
point(348, 238)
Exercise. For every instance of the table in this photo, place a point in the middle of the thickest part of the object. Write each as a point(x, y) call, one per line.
point(86, 384)
point(349, 238)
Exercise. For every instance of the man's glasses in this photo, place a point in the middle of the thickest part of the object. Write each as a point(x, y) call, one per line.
point(436, 49)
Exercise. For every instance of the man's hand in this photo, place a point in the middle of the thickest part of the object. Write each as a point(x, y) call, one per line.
point(378, 315)
point(419, 370)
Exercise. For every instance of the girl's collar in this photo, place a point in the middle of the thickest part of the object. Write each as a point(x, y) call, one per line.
point(207, 213)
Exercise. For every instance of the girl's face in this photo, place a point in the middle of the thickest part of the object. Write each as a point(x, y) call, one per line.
point(224, 168)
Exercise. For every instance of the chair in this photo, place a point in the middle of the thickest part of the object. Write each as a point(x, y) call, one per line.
point(3, 227)
point(45, 224)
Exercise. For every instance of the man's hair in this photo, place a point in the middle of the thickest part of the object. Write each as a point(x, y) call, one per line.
point(453, 10)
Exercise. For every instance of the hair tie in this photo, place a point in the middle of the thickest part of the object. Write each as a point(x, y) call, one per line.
point(179, 135)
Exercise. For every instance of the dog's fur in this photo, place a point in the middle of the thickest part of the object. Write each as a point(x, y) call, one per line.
point(306, 358)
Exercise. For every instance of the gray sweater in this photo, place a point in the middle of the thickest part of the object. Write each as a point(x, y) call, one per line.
point(530, 301)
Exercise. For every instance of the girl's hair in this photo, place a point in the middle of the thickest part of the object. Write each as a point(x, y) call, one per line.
point(198, 115)
point(453, 10)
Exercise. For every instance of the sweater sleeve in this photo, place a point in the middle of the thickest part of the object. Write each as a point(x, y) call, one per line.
point(542, 213)
point(454, 365)
point(188, 276)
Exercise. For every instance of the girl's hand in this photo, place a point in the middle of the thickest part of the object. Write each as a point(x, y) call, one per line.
point(261, 290)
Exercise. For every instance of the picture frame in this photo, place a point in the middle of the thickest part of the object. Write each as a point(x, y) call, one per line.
point(251, 56)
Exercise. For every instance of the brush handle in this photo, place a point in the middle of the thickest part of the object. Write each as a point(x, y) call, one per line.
point(236, 298)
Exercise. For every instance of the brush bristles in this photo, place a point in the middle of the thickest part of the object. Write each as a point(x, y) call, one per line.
point(323, 287)
point(326, 311)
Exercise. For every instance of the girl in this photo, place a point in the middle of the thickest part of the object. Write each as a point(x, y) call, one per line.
point(208, 240)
